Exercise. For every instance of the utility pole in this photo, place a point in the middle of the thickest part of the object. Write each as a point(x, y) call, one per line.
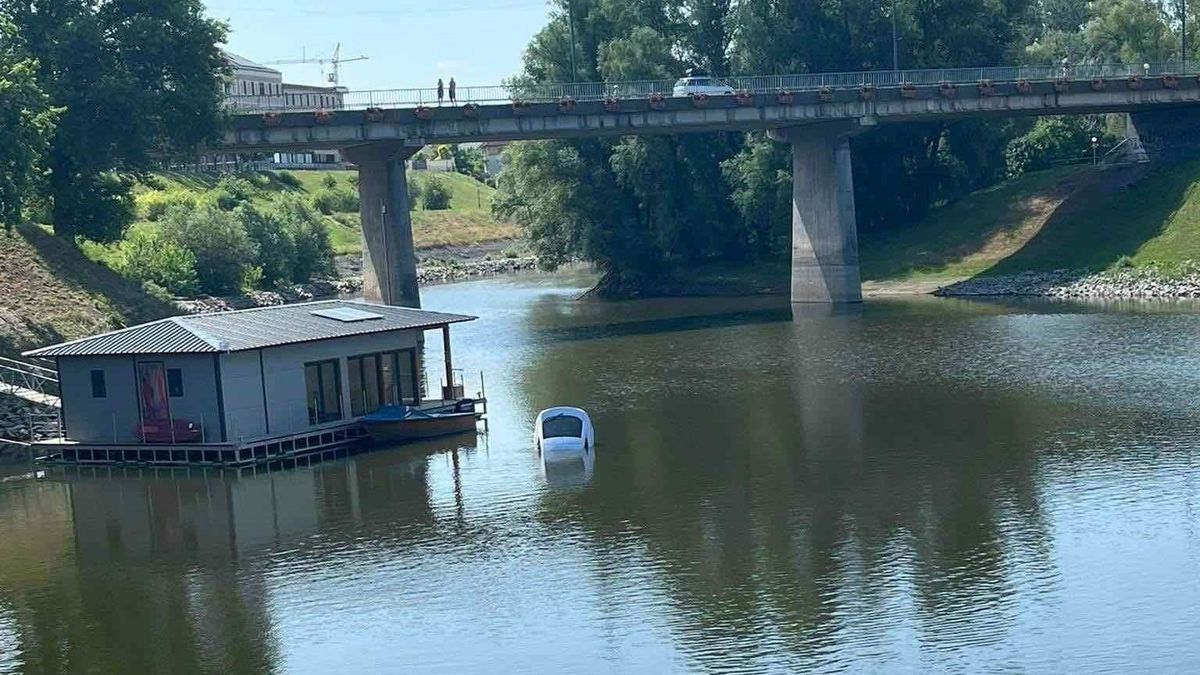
point(895, 48)
point(571, 24)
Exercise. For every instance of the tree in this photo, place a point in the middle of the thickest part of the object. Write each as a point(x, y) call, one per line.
point(224, 252)
point(136, 78)
point(435, 196)
point(309, 236)
point(26, 124)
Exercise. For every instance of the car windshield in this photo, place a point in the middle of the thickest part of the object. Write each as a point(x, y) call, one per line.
point(562, 426)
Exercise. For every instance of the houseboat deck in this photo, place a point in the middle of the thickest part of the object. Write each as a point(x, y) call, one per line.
point(323, 442)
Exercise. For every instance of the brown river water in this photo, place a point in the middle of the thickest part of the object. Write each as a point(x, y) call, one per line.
point(912, 485)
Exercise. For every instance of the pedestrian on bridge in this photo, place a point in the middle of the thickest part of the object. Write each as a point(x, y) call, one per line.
point(442, 90)
point(453, 91)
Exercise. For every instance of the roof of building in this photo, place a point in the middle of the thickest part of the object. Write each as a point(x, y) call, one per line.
point(243, 63)
point(253, 329)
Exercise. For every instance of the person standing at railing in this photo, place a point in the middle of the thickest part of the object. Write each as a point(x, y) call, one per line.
point(442, 90)
point(453, 91)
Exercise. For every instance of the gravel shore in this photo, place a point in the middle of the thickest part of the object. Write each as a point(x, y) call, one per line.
point(1132, 283)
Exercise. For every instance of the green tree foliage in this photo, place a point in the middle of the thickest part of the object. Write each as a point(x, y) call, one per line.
point(635, 206)
point(313, 252)
point(329, 181)
point(414, 192)
point(274, 243)
point(335, 200)
point(470, 162)
point(218, 239)
point(150, 258)
point(26, 124)
point(435, 195)
point(1055, 139)
point(136, 78)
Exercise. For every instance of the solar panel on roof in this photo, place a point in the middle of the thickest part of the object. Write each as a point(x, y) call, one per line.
point(346, 314)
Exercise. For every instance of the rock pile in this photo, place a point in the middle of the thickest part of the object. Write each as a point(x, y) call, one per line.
point(1131, 283)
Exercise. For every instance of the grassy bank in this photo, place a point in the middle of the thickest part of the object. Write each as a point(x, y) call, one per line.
point(1064, 219)
point(467, 222)
point(52, 292)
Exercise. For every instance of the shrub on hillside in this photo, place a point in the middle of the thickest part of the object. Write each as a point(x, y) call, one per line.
point(276, 249)
point(99, 208)
point(231, 192)
point(352, 179)
point(288, 179)
point(334, 201)
point(414, 193)
point(148, 258)
point(435, 195)
point(217, 239)
point(313, 252)
point(329, 181)
point(153, 206)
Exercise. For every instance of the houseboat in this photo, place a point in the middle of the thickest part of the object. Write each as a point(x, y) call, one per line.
point(240, 388)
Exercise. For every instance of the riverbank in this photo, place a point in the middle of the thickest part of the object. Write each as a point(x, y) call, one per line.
point(1129, 283)
point(435, 272)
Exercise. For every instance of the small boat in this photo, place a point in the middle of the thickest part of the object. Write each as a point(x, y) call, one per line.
point(394, 423)
point(563, 433)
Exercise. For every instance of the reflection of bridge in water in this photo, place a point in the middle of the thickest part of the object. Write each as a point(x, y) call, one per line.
point(816, 113)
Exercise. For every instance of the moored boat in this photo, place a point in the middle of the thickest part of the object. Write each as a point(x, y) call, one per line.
point(398, 423)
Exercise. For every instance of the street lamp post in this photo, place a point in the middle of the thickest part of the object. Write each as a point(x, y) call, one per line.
point(1095, 142)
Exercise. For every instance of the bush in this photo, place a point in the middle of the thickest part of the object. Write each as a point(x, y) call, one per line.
point(352, 179)
point(276, 249)
point(288, 179)
point(330, 202)
point(329, 181)
point(217, 239)
point(414, 193)
point(163, 264)
point(153, 206)
point(435, 196)
point(313, 252)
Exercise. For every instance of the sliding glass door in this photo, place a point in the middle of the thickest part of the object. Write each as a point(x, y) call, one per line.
point(323, 391)
point(382, 379)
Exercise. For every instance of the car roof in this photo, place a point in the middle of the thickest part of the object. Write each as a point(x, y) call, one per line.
point(562, 410)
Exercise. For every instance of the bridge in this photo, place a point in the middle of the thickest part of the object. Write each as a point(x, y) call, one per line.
point(816, 114)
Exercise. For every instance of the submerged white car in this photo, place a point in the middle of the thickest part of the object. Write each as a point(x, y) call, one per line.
point(687, 86)
point(563, 432)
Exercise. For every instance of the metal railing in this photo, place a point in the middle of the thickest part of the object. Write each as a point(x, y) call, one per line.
point(756, 84)
point(30, 377)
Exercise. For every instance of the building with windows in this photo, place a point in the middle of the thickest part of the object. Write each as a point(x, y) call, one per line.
point(237, 387)
point(254, 85)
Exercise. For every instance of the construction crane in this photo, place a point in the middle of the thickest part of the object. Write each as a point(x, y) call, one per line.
point(336, 60)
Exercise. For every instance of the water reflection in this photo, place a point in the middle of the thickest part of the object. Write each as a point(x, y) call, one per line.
point(569, 473)
point(916, 486)
point(165, 570)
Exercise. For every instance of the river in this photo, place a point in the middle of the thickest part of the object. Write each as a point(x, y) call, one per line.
point(910, 485)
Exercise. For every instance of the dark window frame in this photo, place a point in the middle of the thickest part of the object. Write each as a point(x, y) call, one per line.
point(99, 384)
point(322, 413)
point(357, 406)
point(175, 382)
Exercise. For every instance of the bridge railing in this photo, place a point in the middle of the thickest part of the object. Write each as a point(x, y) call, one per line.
point(760, 84)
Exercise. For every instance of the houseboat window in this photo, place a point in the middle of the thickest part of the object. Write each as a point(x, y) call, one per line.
point(323, 389)
point(382, 379)
point(99, 388)
point(175, 382)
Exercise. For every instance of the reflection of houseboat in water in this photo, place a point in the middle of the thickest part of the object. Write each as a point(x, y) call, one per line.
point(265, 385)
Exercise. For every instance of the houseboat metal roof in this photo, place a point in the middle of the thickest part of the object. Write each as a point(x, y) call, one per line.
point(255, 328)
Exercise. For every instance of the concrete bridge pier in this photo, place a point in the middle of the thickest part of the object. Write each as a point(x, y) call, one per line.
point(389, 258)
point(824, 231)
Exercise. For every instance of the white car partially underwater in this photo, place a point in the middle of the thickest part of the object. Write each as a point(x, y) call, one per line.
point(563, 433)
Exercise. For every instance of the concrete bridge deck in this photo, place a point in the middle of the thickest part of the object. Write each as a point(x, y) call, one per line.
point(815, 113)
